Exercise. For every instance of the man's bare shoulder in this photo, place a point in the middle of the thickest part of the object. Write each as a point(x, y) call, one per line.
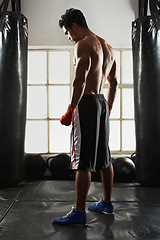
point(83, 46)
point(84, 43)
point(107, 49)
point(104, 43)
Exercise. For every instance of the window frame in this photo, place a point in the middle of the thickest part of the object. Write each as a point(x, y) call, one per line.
point(121, 86)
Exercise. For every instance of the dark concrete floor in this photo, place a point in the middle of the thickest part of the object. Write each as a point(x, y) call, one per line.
point(26, 212)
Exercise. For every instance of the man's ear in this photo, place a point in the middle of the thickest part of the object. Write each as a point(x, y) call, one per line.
point(74, 25)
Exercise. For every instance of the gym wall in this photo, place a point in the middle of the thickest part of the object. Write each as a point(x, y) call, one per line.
point(109, 19)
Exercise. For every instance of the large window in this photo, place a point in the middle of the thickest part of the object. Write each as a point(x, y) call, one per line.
point(122, 128)
point(50, 75)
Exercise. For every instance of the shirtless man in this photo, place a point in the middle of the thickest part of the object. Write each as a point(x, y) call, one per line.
point(89, 115)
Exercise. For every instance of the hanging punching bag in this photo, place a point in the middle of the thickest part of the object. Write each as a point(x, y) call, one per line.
point(146, 71)
point(13, 92)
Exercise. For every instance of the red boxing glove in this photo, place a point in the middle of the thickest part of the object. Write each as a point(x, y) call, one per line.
point(68, 117)
point(110, 109)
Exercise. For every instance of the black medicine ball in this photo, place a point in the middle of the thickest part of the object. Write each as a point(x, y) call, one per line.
point(34, 166)
point(124, 169)
point(59, 166)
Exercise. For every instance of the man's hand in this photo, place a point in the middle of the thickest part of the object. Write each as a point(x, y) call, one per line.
point(110, 109)
point(67, 118)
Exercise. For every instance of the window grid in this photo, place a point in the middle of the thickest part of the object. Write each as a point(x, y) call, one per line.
point(48, 128)
point(121, 86)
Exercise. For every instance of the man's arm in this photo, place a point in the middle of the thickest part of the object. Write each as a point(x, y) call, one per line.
point(83, 59)
point(112, 80)
point(83, 62)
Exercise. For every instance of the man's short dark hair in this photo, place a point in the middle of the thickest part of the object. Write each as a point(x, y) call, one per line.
point(72, 16)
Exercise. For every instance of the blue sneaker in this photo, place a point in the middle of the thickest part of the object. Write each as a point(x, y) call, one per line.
point(73, 218)
point(102, 206)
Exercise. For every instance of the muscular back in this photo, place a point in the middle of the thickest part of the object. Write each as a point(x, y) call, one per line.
point(94, 63)
point(100, 61)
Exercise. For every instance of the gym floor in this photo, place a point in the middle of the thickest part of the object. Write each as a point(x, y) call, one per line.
point(26, 212)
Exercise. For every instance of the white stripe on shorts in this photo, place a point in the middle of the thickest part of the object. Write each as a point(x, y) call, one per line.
point(75, 141)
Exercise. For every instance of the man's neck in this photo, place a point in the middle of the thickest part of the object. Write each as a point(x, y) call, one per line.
point(84, 32)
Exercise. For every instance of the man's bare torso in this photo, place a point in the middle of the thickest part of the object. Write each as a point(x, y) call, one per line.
point(101, 61)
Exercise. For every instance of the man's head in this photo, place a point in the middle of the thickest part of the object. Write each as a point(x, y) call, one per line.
point(69, 22)
point(72, 16)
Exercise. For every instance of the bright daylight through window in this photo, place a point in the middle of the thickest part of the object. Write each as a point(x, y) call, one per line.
point(50, 75)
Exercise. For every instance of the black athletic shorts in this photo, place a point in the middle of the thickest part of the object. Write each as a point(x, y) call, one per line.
point(90, 134)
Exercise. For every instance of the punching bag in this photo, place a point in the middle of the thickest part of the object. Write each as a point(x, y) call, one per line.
point(146, 71)
point(13, 92)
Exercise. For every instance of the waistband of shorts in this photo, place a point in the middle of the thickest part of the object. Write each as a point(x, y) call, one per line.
point(99, 96)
